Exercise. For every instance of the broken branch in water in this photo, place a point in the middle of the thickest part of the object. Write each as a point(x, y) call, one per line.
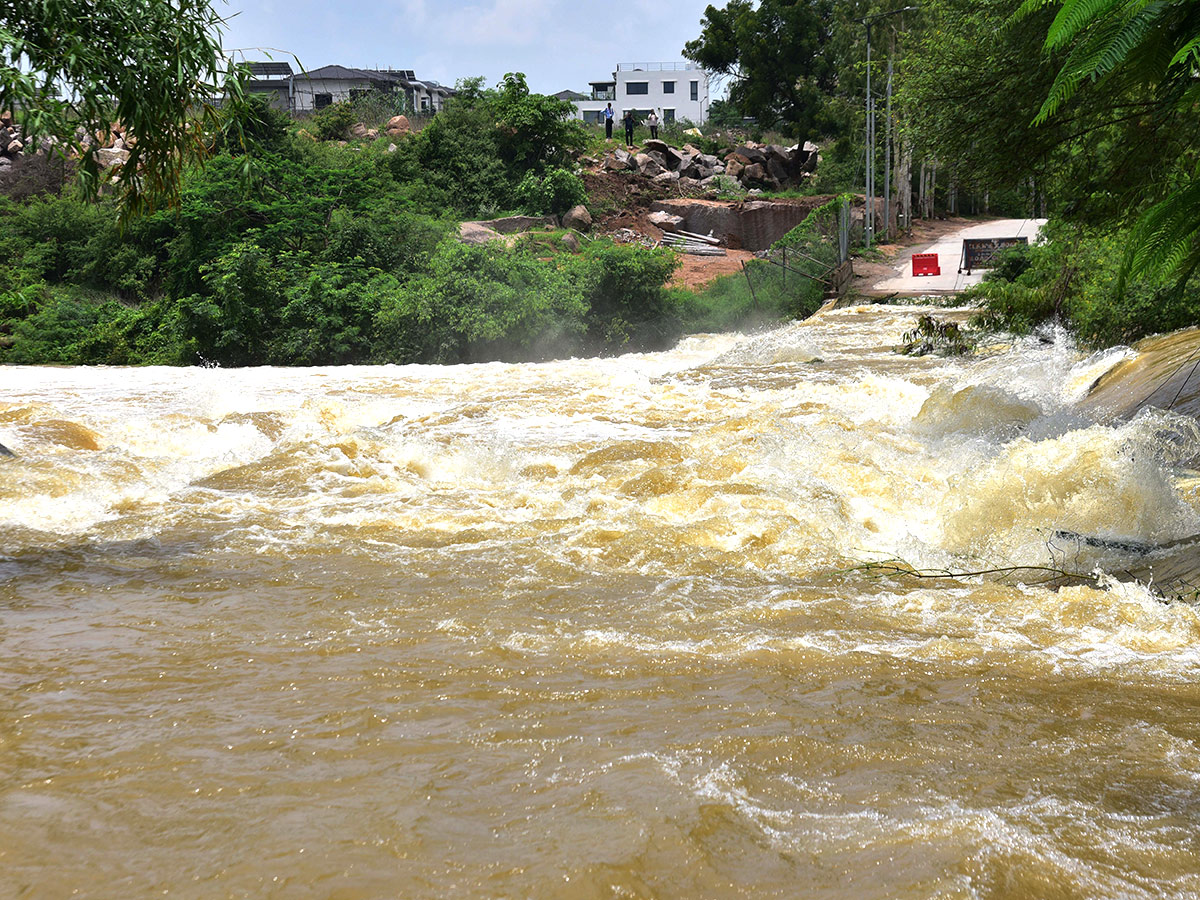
point(899, 567)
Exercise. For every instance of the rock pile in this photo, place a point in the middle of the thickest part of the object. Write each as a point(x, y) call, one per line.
point(752, 165)
point(112, 147)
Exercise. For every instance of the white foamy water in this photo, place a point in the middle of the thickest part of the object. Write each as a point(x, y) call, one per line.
point(597, 628)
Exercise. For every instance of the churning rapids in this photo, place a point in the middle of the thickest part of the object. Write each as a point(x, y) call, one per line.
point(595, 629)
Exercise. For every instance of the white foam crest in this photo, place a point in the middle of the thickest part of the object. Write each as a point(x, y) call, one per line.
point(1106, 482)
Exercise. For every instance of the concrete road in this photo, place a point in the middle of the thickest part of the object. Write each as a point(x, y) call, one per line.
point(949, 251)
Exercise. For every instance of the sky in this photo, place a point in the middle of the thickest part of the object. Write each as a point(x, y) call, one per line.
point(558, 44)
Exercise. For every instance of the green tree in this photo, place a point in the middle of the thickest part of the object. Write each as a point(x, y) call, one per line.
point(725, 114)
point(70, 68)
point(776, 52)
point(1146, 50)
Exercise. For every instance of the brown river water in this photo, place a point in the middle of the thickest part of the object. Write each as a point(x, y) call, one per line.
point(595, 629)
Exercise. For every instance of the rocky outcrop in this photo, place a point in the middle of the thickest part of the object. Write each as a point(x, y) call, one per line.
point(398, 126)
point(517, 224)
point(578, 219)
point(750, 165)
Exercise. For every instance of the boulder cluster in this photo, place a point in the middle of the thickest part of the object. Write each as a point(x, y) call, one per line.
point(397, 127)
point(112, 147)
point(752, 165)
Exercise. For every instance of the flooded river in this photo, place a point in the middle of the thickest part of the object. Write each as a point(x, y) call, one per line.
point(595, 629)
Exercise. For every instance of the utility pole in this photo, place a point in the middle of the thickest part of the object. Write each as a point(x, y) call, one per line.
point(869, 225)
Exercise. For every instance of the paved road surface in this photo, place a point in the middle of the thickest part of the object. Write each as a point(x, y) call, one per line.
point(949, 251)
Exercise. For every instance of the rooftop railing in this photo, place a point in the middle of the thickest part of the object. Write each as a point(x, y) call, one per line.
point(658, 67)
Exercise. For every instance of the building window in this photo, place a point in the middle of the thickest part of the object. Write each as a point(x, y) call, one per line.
point(320, 101)
point(668, 87)
point(695, 90)
point(668, 116)
point(637, 87)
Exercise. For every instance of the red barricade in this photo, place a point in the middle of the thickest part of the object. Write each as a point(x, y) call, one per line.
point(926, 264)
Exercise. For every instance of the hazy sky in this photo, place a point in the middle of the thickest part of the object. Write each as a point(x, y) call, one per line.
point(558, 44)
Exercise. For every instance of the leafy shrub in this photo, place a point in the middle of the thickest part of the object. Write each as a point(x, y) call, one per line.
point(1072, 277)
point(629, 306)
point(933, 336)
point(232, 324)
point(480, 302)
point(333, 122)
point(555, 192)
point(1013, 263)
point(328, 319)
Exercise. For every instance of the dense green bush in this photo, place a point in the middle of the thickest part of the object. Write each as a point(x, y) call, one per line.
point(333, 122)
point(474, 154)
point(315, 254)
point(1072, 277)
point(555, 192)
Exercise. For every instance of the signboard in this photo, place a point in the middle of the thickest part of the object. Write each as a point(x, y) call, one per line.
point(981, 253)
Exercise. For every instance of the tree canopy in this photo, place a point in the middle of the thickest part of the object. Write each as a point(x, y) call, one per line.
point(776, 54)
point(1145, 52)
point(155, 66)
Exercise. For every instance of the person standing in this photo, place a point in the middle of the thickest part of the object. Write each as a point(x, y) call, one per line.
point(628, 120)
point(652, 121)
point(608, 121)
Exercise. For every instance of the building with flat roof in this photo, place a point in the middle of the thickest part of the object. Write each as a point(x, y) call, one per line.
point(676, 91)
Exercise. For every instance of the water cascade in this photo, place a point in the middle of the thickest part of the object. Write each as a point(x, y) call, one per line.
point(628, 627)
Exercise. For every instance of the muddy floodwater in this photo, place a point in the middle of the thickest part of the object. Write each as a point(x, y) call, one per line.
point(596, 629)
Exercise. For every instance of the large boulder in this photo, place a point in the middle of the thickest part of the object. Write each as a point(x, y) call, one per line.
point(619, 161)
point(670, 156)
point(518, 224)
point(398, 126)
point(755, 172)
point(571, 242)
point(734, 169)
point(665, 220)
point(358, 130)
point(648, 166)
point(477, 233)
point(751, 154)
point(106, 158)
point(687, 165)
point(578, 219)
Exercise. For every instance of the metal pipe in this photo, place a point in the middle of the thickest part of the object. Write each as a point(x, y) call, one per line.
point(869, 218)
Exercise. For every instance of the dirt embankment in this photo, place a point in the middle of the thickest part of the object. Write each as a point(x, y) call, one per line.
point(622, 202)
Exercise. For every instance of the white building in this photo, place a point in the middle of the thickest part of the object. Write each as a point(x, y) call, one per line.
point(676, 91)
